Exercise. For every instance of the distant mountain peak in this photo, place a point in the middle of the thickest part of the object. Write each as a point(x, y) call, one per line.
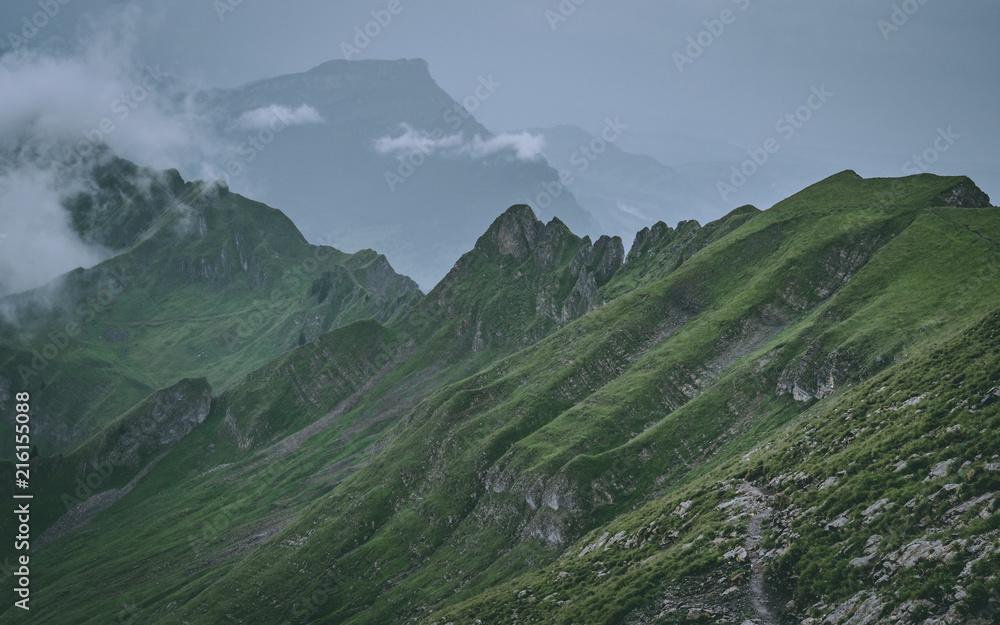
point(346, 169)
point(341, 66)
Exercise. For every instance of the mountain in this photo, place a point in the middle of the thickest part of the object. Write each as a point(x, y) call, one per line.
point(778, 416)
point(376, 155)
point(202, 283)
point(623, 191)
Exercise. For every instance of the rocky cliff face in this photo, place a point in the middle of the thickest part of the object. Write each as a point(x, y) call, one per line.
point(515, 233)
point(965, 195)
point(659, 250)
point(541, 277)
point(153, 426)
point(108, 467)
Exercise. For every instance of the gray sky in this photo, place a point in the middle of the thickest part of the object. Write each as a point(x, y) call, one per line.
point(893, 87)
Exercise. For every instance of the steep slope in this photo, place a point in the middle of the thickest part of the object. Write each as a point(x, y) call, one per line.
point(107, 467)
point(208, 285)
point(121, 201)
point(422, 198)
point(526, 455)
point(522, 280)
point(413, 496)
point(879, 505)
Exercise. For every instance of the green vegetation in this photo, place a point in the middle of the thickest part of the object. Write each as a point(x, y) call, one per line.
point(801, 397)
point(214, 286)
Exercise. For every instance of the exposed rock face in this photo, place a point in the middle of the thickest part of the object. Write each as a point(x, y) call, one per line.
point(223, 266)
point(661, 238)
point(382, 279)
point(123, 201)
point(518, 233)
point(542, 273)
point(813, 376)
point(547, 251)
point(608, 254)
point(515, 233)
point(593, 266)
point(155, 425)
point(659, 250)
point(142, 437)
point(965, 195)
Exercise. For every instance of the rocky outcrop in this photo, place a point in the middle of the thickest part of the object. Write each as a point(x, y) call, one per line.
point(965, 195)
point(540, 277)
point(814, 375)
point(659, 250)
point(383, 281)
point(224, 264)
point(592, 267)
point(129, 449)
point(515, 233)
point(153, 426)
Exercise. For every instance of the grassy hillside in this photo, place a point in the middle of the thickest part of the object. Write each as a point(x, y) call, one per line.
point(780, 416)
point(215, 286)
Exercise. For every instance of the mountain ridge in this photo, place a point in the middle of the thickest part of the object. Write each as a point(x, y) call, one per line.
point(506, 449)
point(206, 263)
point(408, 169)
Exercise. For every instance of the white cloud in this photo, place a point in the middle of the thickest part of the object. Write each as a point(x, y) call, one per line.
point(412, 141)
point(276, 114)
point(37, 243)
point(58, 111)
point(98, 94)
point(523, 146)
point(631, 210)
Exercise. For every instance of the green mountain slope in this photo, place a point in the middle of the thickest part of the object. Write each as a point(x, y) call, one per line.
point(214, 286)
point(549, 437)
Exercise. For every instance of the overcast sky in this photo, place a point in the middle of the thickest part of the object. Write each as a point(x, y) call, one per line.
point(897, 74)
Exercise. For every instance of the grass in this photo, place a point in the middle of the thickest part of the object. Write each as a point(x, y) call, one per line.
point(181, 304)
point(478, 443)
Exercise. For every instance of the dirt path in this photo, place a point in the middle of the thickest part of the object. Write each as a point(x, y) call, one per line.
point(755, 534)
